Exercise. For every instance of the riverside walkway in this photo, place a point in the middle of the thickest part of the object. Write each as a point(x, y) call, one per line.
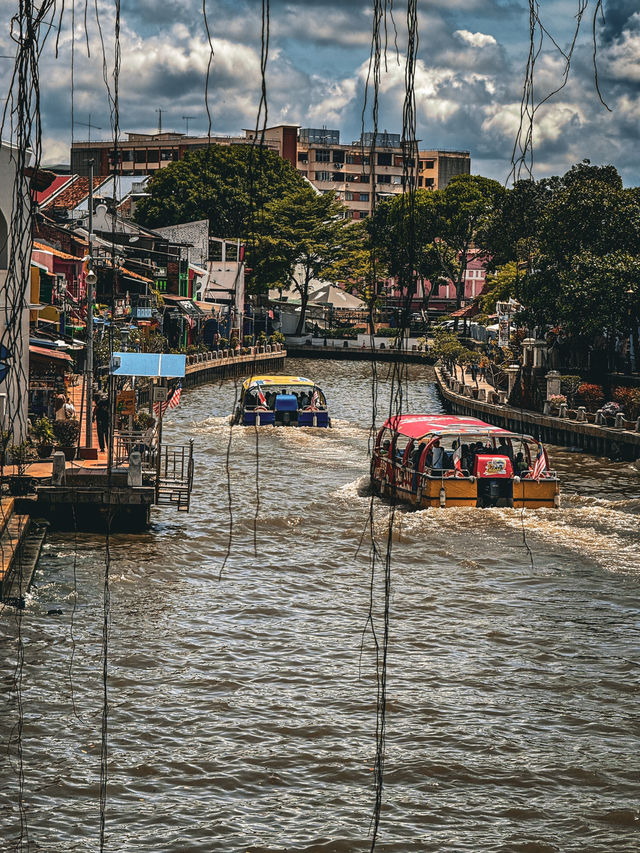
point(463, 396)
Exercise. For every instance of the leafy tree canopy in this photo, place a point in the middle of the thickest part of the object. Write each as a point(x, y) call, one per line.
point(228, 185)
point(299, 236)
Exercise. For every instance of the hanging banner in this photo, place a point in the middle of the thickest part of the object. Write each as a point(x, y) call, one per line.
point(503, 331)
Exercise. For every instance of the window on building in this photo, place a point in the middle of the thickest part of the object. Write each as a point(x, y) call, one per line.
point(167, 154)
point(303, 172)
point(348, 196)
point(338, 177)
point(323, 155)
point(303, 156)
point(429, 164)
point(323, 176)
point(152, 155)
point(364, 214)
point(338, 156)
point(384, 179)
point(428, 182)
point(127, 155)
point(364, 196)
point(384, 159)
point(140, 156)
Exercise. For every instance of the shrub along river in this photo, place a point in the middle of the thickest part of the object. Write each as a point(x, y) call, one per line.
point(242, 699)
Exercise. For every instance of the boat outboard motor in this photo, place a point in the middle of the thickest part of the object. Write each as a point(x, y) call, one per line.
point(286, 408)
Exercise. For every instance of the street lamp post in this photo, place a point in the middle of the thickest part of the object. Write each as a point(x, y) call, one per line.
point(90, 280)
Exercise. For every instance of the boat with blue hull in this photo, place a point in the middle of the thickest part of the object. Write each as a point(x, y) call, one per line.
point(281, 401)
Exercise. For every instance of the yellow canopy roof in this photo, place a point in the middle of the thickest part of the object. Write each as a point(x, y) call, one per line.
point(277, 380)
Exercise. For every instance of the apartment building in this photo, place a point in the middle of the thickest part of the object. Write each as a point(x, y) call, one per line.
point(317, 153)
point(360, 181)
point(143, 153)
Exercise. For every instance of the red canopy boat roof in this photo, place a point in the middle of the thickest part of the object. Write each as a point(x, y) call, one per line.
point(415, 426)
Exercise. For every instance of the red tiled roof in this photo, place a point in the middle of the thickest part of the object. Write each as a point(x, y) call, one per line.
point(42, 247)
point(74, 194)
point(58, 182)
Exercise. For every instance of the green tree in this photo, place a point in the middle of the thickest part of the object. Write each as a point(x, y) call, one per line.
point(300, 235)
point(357, 268)
point(228, 185)
point(465, 210)
point(585, 270)
point(500, 285)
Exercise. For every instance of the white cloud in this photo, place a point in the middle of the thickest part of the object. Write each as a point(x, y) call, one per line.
point(475, 39)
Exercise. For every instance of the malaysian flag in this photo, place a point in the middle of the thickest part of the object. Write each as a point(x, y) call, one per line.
point(540, 464)
point(173, 398)
point(457, 457)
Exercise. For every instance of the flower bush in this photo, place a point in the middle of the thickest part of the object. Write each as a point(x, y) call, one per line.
point(611, 409)
point(569, 385)
point(557, 400)
point(590, 396)
point(629, 399)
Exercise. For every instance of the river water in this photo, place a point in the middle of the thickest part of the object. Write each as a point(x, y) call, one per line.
point(242, 693)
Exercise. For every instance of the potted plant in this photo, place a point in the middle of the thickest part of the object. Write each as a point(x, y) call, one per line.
point(44, 438)
point(19, 458)
point(67, 432)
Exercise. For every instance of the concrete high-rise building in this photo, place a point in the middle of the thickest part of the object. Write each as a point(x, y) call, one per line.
point(350, 171)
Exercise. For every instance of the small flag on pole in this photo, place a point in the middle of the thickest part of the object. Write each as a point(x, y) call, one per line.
point(457, 457)
point(540, 464)
point(173, 398)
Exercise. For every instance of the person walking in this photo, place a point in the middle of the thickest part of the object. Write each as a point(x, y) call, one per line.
point(101, 417)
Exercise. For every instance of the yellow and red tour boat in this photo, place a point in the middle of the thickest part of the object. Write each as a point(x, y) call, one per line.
point(446, 460)
point(281, 401)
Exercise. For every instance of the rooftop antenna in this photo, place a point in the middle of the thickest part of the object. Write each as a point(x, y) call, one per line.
point(89, 125)
point(188, 119)
point(159, 111)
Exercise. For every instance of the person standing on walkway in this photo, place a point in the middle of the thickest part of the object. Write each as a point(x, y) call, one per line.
point(101, 417)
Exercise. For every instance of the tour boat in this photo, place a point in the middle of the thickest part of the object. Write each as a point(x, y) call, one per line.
point(281, 401)
point(445, 460)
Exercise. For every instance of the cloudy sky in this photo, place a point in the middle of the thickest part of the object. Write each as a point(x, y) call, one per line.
point(469, 76)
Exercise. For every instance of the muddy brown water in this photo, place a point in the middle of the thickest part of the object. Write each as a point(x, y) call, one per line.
point(242, 708)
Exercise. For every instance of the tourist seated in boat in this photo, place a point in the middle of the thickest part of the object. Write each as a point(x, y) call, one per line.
point(504, 447)
point(282, 401)
point(520, 464)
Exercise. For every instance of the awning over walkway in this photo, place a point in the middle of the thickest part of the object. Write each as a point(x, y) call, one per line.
point(467, 311)
point(151, 364)
point(44, 352)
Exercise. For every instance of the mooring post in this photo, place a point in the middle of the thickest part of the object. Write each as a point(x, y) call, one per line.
point(134, 474)
point(59, 465)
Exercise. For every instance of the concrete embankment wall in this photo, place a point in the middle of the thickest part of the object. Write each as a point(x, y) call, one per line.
point(600, 440)
point(352, 353)
point(211, 366)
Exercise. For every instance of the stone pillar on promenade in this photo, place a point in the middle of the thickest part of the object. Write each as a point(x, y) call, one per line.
point(512, 373)
point(553, 383)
